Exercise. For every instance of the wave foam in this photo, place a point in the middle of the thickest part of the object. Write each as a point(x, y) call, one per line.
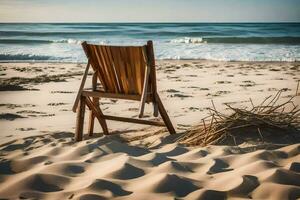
point(41, 41)
point(21, 56)
point(240, 40)
point(188, 40)
point(69, 41)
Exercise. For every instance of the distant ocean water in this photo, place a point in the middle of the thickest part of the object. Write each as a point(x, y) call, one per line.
point(214, 41)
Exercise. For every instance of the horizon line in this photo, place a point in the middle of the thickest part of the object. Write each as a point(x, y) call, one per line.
point(154, 22)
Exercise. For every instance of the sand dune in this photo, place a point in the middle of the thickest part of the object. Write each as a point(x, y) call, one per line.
point(54, 167)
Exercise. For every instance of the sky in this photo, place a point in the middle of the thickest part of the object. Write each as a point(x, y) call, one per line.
point(149, 10)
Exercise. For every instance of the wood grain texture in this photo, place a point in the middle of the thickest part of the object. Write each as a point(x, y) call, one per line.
point(120, 69)
point(80, 119)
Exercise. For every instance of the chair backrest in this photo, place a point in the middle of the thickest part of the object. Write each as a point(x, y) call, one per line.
point(120, 69)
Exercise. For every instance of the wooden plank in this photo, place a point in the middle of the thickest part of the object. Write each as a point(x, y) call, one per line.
point(144, 58)
point(107, 70)
point(111, 95)
point(132, 120)
point(115, 69)
point(165, 116)
point(107, 55)
point(141, 69)
point(132, 65)
point(124, 69)
point(120, 69)
point(127, 74)
point(144, 94)
point(80, 119)
point(151, 59)
point(75, 105)
point(98, 66)
point(104, 68)
point(136, 66)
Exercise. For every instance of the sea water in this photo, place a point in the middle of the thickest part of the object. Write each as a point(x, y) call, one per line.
point(60, 42)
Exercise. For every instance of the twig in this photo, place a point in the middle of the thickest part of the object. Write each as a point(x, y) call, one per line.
point(262, 139)
point(251, 103)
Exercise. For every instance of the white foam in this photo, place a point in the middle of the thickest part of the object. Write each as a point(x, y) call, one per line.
point(229, 52)
point(78, 42)
point(69, 41)
point(188, 40)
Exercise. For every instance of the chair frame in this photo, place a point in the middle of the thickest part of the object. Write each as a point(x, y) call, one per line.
point(91, 100)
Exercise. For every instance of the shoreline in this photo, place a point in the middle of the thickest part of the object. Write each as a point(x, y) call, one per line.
point(159, 60)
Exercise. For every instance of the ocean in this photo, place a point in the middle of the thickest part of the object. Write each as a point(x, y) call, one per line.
point(60, 42)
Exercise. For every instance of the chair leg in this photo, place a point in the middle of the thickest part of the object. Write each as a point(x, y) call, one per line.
point(80, 119)
point(155, 109)
point(165, 116)
point(92, 118)
point(97, 113)
point(102, 121)
point(91, 124)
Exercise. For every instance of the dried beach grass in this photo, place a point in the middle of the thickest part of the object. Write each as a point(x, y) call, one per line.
point(265, 122)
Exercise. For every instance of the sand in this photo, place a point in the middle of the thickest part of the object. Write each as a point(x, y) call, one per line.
point(40, 160)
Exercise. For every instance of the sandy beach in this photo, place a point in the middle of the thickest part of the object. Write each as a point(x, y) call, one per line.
point(39, 158)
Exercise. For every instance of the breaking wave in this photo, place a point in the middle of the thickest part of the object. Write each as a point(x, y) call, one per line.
point(240, 40)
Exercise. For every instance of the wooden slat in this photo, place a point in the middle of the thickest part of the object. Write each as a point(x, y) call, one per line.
point(128, 70)
point(107, 54)
point(151, 60)
point(114, 69)
point(138, 67)
point(98, 65)
point(75, 105)
point(145, 90)
point(132, 120)
point(104, 66)
point(144, 58)
point(143, 64)
point(132, 65)
point(120, 68)
point(107, 67)
point(111, 95)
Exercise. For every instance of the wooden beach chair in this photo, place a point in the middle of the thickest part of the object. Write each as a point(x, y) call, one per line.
point(125, 72)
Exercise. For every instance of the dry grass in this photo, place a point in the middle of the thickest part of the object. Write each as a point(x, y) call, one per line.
point(258, 123)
